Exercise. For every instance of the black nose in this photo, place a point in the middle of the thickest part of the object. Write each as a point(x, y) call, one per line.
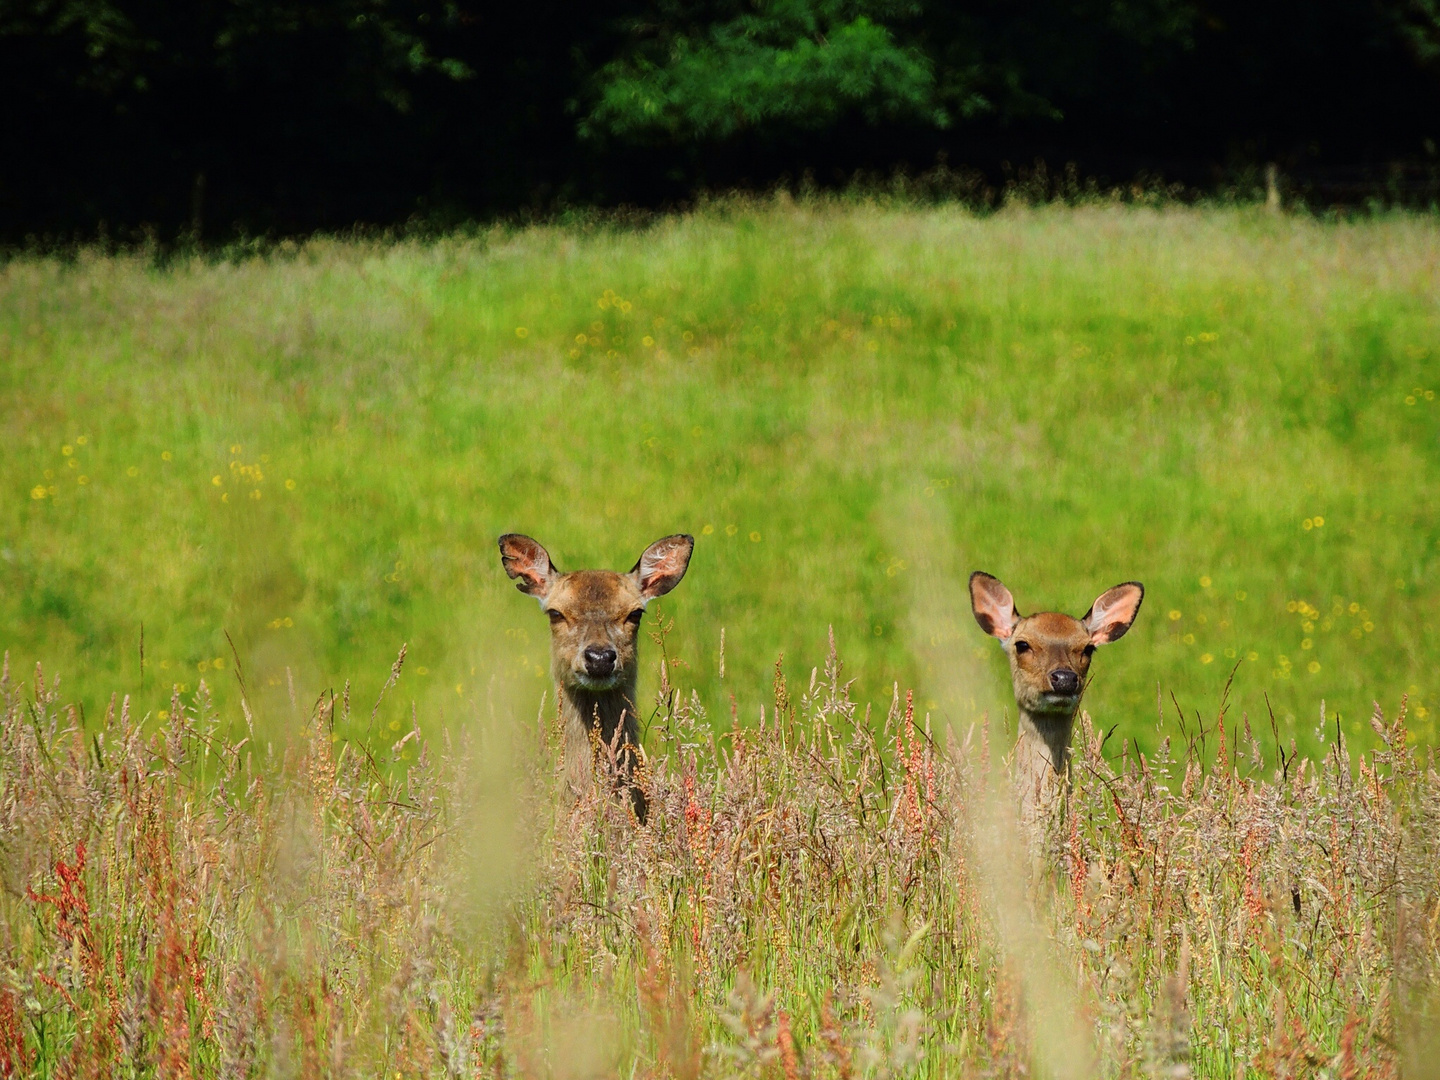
point(1064, 681)
point(599, 662)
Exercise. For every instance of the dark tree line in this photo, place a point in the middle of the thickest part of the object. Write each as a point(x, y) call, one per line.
point(233, 116)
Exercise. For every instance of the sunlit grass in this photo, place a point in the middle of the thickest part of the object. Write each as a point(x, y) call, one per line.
point(313, 452)
point(810, 898)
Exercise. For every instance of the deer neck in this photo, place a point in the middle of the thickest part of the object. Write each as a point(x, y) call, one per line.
point(1045, 739)
point(600, 708)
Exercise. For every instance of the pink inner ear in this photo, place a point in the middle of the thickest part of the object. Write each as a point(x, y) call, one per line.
point(993, 606)
point(663, 565)
point(526, 560)
point(1114, 612)
point(1001, 626)
point(533, 578)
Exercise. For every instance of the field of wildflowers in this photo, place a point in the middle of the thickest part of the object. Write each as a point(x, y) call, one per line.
point(232, 484)
point(300, 456)
point(834, 890)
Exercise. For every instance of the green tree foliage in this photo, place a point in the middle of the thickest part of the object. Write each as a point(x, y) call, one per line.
point(688, 73)
point(1419, 22)
point(731, 68)
point(149, 112)
point(111, 46)
point(292, 115)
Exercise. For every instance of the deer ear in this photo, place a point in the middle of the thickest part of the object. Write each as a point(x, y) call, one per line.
point(1114, 612)
point(663, 565)
point(993, 606)
point(526, 560)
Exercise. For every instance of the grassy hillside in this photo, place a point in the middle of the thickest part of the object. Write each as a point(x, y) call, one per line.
point(850, 406)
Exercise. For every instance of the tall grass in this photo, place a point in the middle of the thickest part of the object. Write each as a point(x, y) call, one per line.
point(831, 890)
point(312, 449)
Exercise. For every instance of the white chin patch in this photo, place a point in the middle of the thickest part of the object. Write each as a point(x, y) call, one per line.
point(589, 682)
point(1052, 702)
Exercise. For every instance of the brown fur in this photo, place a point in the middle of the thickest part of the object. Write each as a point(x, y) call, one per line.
point(595, 618)
point(1050, 656)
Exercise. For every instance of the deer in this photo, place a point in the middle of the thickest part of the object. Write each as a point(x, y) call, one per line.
point(1049, 656)
point(595, 620)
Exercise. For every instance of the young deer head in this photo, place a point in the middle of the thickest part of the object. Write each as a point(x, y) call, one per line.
point(1050, 657)
point(594, 632)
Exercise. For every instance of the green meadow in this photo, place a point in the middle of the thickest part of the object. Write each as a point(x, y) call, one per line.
point(311, 449)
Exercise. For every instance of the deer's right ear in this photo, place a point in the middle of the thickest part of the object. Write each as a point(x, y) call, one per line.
point(1114, 612)
point(525, 560)
point(993, 606)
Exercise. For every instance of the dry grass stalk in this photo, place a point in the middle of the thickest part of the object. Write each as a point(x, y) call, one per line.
point(801, 904)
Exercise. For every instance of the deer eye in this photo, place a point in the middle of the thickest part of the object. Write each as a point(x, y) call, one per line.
point(635, 616)
point(555, 617)
point(1089, 650)
point(1022, 646)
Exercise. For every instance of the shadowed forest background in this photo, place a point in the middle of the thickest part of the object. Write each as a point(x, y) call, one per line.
point(222, 119)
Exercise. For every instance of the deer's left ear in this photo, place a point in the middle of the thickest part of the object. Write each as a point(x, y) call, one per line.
point(1114, 612)
point(525, 560)
point(663, 565)
point(993, 606)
